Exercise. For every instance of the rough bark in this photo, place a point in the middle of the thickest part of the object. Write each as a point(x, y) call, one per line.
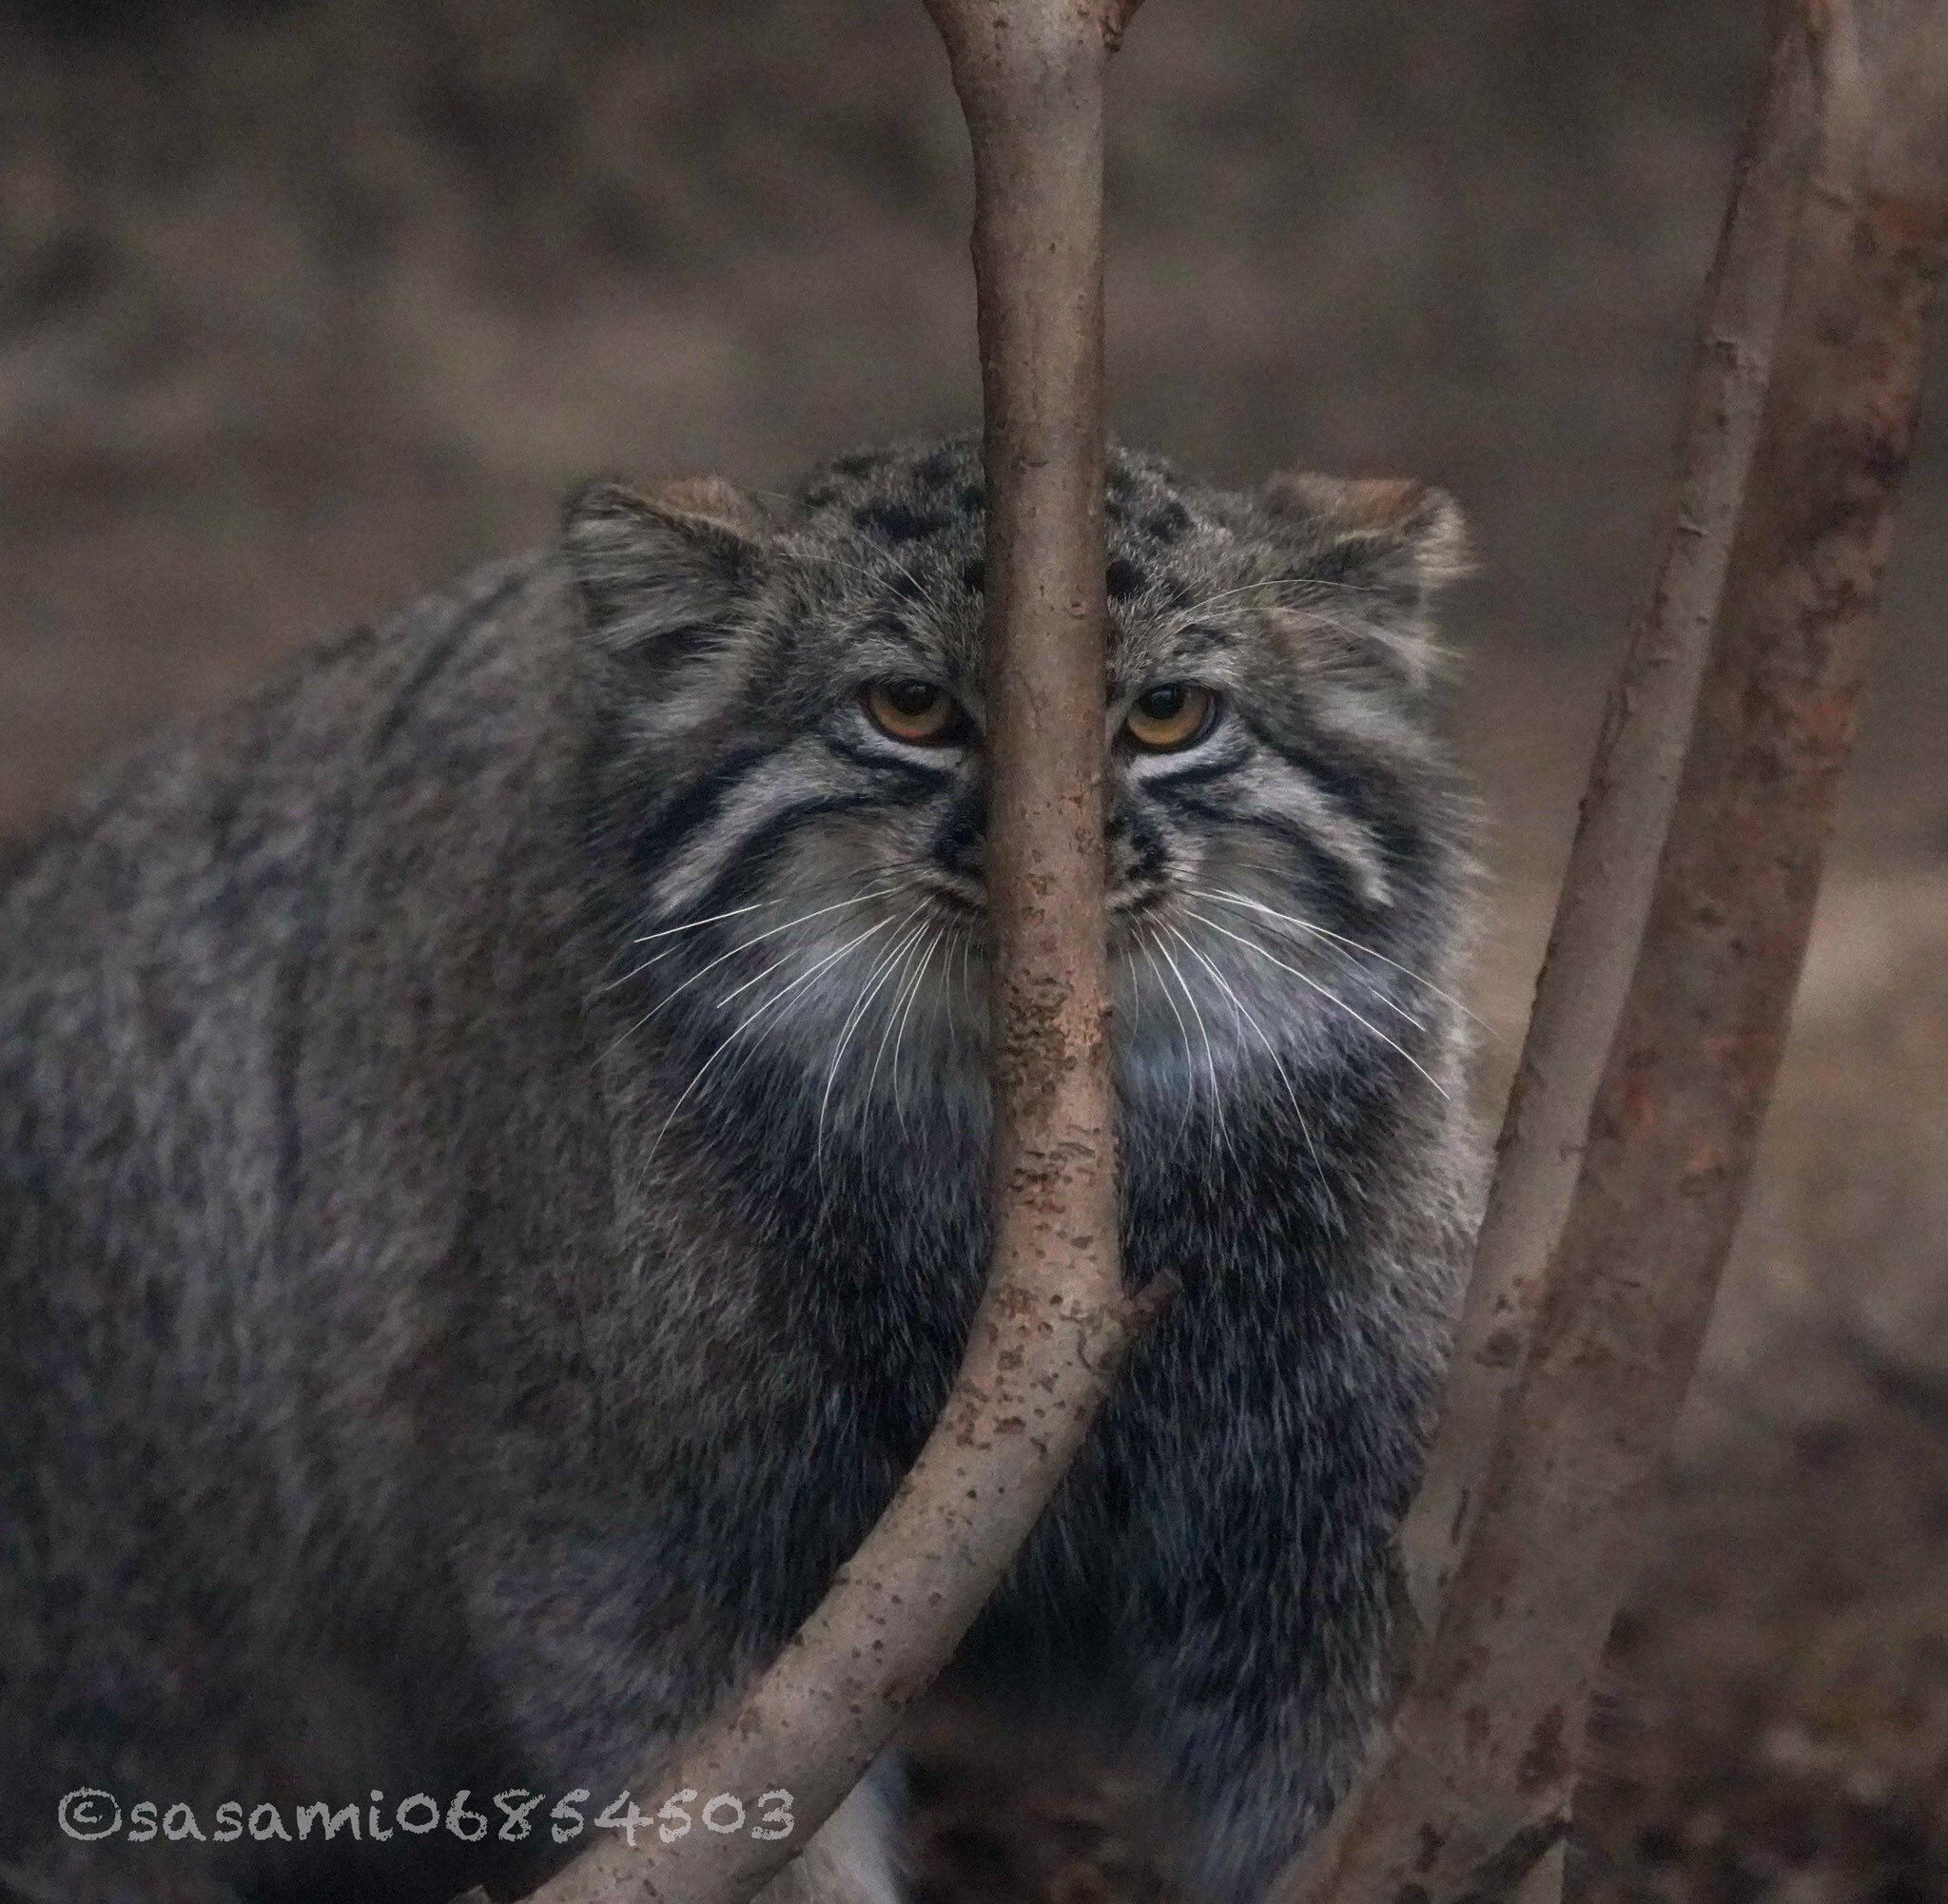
point(1471, 1789)
point(1054, 1320)
point(1626, 805)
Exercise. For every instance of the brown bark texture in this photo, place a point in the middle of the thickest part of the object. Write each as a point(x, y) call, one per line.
point(1626, 813)
point(1054, 1320)
point(1471, 1789)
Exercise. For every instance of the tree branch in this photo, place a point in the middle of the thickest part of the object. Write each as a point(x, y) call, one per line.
point(1626, 813)
point(1053, 1321)
point(1483, 1749)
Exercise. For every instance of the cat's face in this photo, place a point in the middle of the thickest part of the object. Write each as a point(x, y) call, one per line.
point(796, 754)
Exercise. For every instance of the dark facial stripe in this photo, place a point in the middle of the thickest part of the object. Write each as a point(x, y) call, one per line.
point(749, 859)
point(1375, 797)
point(699, 803)
point(1363, 786)
point(1337, 875)
point(917, 773)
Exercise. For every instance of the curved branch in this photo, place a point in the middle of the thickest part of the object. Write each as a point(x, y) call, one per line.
point(1054, 1320)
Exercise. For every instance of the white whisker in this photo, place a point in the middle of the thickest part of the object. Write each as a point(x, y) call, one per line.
point(1196, 952)
point(868, 989)
point(1218, 1129)
point(709, 919)
point(783, 992)
point(1354, 944)
point(758, 938)
point(899, 1037)
point(899, 993)
point(1331, 997)
point(1148, 943)
point(764, 906)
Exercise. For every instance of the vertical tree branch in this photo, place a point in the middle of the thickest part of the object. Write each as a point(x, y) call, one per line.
point(1626, 805)
point(1472, 1785)
point(1054, 1320)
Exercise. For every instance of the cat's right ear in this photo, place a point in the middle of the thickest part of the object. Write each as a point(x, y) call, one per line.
point(650, 564)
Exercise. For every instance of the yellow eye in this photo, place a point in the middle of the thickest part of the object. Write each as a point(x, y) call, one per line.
point(914, 712)
point(1171, 716)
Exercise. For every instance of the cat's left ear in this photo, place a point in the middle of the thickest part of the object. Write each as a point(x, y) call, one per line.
point(1403, 540)
point(662, 562)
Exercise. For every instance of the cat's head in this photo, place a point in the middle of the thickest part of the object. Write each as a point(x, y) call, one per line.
point(791, 764)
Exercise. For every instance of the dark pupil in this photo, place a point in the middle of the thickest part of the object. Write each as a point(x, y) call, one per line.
point(1160, 703)
point(912, 697)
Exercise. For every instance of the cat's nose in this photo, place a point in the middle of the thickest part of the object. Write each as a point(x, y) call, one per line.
point(1136, 858)
point(960, 844)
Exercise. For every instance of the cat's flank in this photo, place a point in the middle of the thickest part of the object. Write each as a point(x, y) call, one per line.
point(493, 1184)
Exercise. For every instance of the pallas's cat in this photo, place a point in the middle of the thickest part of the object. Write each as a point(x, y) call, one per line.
point(492, 1181)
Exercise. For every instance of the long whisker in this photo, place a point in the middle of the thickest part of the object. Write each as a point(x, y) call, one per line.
point(877, 977)
point(1392, 1005)
point(1196, 952)
point(1354, 944)
point(1331, 997)
point(630, 1031)
point(905, 863)
point(777, 998)
point(1218, 1129)
point(1147, 941)
point(760, 905)
point(758, 938)
point(899, 993)
point(899, 1037)
point(709, 919)
point(1136, 1002)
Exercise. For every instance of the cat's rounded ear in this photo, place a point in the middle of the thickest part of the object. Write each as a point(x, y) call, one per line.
point(653, 563)
point(1402, 539)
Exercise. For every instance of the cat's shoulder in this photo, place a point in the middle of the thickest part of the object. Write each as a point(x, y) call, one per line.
point(455, 674)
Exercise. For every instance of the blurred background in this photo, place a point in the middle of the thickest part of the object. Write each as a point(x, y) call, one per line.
point(304, 306)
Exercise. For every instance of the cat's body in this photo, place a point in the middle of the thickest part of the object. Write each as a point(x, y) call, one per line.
point(434, 1358)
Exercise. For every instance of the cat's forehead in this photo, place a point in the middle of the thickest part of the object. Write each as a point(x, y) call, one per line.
point(902, 532)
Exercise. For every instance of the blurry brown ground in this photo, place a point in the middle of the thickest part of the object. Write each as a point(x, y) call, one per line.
point(303, 306)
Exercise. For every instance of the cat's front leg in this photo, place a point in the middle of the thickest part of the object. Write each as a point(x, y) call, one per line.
point(1262, 1698)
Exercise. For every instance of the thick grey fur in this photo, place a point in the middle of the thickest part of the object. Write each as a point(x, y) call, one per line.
point(433, 1358)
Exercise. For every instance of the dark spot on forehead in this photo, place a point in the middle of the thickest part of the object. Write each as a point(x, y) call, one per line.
point(897, 522)
point(903, 586)
point(1174, 592)
point(973, 498)
point(1341, 561)
point(1116, 512)
point(1124, 579)
point(935, 470)
point(1168, 521)
point(974, 576)
point(861, 462)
